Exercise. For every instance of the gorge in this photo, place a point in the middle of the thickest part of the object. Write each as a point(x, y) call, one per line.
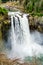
point(20, 39)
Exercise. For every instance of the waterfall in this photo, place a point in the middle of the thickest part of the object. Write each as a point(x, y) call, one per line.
point(21, 40)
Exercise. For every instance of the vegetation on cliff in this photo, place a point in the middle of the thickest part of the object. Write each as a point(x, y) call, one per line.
point(3, 11)
point(3, 14)
point(34, 6)
point(4, 21)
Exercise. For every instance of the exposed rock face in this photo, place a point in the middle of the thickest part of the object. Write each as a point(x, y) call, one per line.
point(4, 26)
point(36, 23)
point(4, 21)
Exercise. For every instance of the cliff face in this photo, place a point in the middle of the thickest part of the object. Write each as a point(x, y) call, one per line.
point(36, 23)
point(4, 25)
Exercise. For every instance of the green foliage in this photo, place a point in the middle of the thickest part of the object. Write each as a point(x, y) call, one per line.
point(35, 6)
point(29, 7)
point(36, 13)
point(0, 1)
point(5, 1)
point(3, 11)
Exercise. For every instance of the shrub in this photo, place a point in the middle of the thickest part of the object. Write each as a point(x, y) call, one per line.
point(3, 11)
point(35, 6)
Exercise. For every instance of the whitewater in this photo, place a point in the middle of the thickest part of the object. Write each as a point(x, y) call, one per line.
point(21, 40)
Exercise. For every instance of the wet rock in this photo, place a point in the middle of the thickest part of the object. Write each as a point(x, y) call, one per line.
point(36, 23)
point(40, 28)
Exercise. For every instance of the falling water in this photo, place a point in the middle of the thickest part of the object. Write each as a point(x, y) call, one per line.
point(21, 40)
